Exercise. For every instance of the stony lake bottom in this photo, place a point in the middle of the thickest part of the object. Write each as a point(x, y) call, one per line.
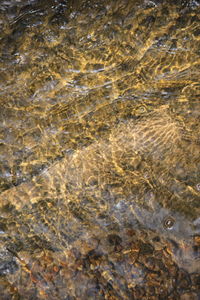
point(99, 150)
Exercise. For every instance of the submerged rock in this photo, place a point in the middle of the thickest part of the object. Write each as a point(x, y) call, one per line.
point(99, 153)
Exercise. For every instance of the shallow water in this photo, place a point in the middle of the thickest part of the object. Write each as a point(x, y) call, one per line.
point(99, 152)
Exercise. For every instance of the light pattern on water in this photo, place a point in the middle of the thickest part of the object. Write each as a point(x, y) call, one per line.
point(99, 152)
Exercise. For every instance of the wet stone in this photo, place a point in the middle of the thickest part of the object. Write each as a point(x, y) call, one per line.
point(8, 267)
point(99, 156)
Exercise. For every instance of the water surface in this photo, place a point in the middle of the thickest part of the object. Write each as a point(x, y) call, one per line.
point(99, 152)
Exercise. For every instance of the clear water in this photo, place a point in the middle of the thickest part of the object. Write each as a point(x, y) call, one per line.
point(99, 151)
